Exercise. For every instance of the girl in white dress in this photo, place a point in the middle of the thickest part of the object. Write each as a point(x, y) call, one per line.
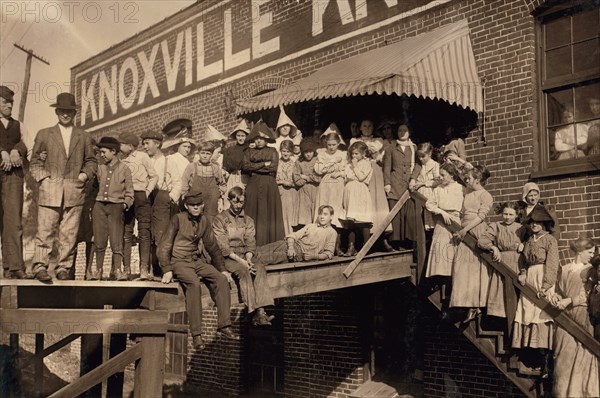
point(357, 198)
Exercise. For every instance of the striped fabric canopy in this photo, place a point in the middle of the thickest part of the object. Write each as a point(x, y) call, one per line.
point(439, 64)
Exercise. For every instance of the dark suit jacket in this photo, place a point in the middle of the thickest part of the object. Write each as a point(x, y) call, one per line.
point(58, 174)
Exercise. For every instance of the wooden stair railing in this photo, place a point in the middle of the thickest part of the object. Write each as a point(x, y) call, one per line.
point(376, 232)
point(562, 319)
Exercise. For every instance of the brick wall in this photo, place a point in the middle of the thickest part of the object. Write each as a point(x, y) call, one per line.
point(220, 366)
point(503, 40)
point(454, 367)
point(322, 345)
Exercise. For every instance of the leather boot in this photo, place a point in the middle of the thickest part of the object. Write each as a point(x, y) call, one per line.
point(144, 275)
point(338, 250)
point(351, 252)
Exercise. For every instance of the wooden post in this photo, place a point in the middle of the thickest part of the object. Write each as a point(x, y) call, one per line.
point(421, 238)
point(377, 231)
point(150, 369)
point(118, 344)
point(105, 352)
point(91, 357)
point(39, 364)
point(30, 56)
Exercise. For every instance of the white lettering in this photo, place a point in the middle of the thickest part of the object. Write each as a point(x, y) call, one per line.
point(188, 57)
point(319, 7)
point(128, 100)
point(87, 100)
point(232, 60)
point(108, 90)
point(148, 69)
point(204, 71)
point(172, 68)
point(259, 22)
point(361, 9)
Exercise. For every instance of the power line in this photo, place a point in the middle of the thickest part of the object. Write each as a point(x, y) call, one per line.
point(13, 49)
point(16, 22)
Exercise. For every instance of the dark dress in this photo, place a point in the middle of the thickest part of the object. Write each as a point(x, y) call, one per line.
point(233, 159)
point(398, 166)
point(263, 202)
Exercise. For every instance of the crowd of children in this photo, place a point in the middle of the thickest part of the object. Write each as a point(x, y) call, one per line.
point(272, 196)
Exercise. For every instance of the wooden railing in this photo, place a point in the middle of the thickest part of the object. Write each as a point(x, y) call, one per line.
point(560, 317)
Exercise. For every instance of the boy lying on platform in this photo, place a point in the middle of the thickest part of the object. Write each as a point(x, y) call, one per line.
point(178, 253)
point(313, 242)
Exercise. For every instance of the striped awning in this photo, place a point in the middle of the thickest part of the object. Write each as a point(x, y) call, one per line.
point(439, 65)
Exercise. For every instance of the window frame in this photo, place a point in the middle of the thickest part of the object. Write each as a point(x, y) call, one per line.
point(546, 167)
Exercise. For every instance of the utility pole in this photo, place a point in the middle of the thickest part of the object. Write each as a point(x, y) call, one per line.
point(30, 56)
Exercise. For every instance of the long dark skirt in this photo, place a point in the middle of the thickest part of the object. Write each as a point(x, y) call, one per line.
point(263, 205)
point(404, 224)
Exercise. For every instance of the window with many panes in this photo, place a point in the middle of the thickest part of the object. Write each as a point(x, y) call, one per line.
point(569, 61)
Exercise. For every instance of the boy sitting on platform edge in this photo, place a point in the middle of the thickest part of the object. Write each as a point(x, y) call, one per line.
point(178, 253)
point(312, 242)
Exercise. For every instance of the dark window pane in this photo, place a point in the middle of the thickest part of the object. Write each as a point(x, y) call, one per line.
point(586, 55)
point(559, 107)
point(587, 102)
point(585, 25)
point(593, 142)
point(558, 32)
point(558, 62)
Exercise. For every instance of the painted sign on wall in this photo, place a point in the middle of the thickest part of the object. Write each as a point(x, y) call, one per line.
point(225, 41)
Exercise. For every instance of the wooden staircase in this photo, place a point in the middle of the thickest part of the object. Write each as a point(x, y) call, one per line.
point(493, 343)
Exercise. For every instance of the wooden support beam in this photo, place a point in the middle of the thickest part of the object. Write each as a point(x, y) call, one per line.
point(85, 284)
point(150, 370)
point(376, 232)
point(67, 321)
point(39, 364)
point(53, 348)
point(102, 372)
point(291, 282)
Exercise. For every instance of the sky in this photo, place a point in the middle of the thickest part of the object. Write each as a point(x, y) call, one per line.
point(65, 33)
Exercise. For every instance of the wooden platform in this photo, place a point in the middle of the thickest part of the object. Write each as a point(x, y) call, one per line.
point(293, 279)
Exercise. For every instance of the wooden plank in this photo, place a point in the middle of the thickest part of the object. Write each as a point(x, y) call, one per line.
point(105, 353)
point(559, 317)
point(376, 232)
point(487, 347)
point(333, 261)
point(39, 364)
point(84, 284)
point(53, 348)
point(118, 344)
point(150, 370)
point(102, 372)
point(67, 321)
point(91, 358)
point(562, 319)
point(421, 238)
point(320, 279)
point(8, 296)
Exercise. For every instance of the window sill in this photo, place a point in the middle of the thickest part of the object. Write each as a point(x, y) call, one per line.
point(591, 167)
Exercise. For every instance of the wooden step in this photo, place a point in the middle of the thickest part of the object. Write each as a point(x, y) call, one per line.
point(487, 346)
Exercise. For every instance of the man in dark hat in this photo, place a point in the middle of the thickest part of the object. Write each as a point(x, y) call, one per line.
point(14, 154)
point(166, 194)
point(70, 161)
point(178, 253)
